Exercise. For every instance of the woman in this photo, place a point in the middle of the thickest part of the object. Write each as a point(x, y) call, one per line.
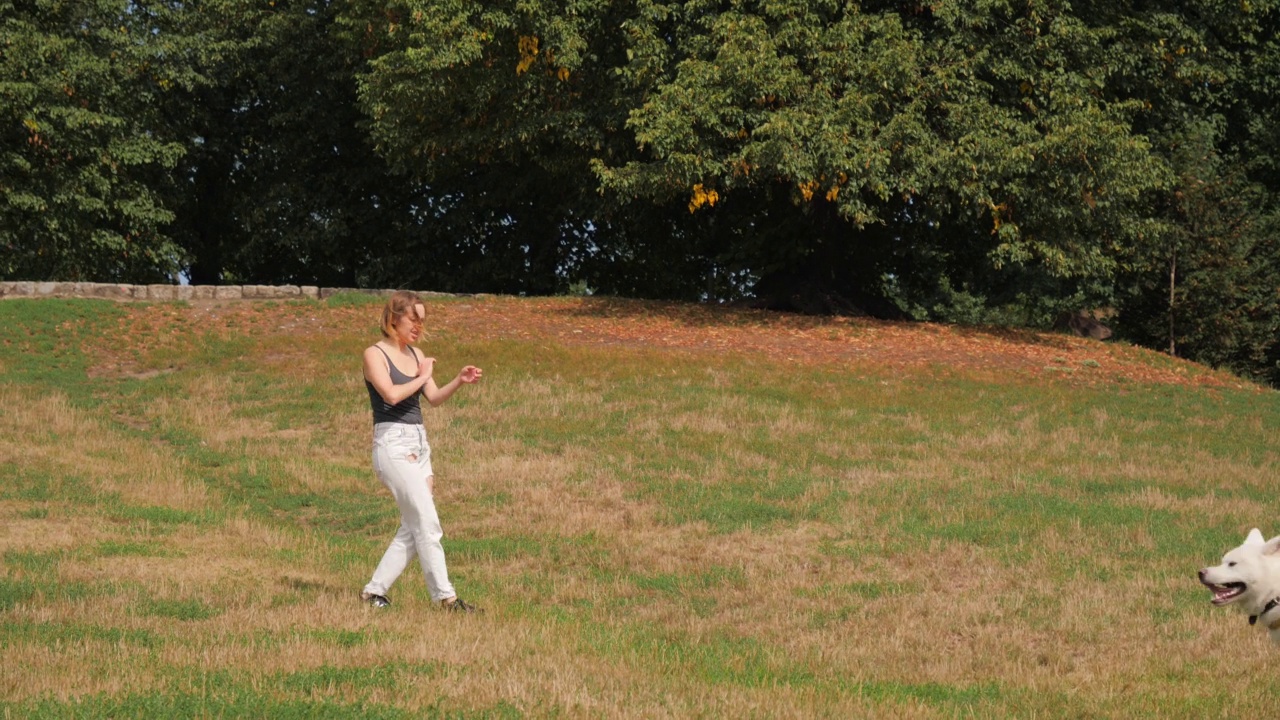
point(396, 375)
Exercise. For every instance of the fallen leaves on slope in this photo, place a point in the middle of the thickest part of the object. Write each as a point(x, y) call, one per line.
point(853, 343)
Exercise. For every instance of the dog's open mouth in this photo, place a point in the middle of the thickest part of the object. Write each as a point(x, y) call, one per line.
point(1223, 594)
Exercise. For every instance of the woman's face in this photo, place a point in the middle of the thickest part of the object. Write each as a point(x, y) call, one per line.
point(409, 326)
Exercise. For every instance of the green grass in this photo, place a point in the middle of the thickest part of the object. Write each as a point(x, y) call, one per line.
point(54, 635)
point(356, 299)
point(651, 532)
point(241, 701)
point(185, 609)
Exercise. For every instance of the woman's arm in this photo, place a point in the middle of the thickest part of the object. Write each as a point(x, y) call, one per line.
point(437, 395)
point(376, 372)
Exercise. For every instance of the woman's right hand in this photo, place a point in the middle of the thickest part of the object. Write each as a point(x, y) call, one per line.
point(425, 366)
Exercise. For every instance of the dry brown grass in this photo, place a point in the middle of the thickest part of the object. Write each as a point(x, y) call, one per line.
point(940, 547)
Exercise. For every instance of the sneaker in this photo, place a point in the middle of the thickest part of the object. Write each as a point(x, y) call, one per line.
point(462, 606)
point(378, 601)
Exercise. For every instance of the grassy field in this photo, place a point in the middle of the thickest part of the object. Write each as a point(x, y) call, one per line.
point(187, 517)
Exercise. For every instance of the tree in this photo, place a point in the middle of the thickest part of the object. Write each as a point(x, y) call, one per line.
point(497, 110)
point(824, 138)
point(1213, 294)
point(280, 183)
point(971, 132)
point(81, 148)
point(1204, 280)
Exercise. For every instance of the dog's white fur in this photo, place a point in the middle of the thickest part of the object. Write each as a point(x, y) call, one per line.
point(1249, 578)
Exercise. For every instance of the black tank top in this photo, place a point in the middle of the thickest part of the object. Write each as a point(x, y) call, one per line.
point(408, 411)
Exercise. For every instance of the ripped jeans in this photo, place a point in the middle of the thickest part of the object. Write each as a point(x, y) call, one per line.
point(402, 461)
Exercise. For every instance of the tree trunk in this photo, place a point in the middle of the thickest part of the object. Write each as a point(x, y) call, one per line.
point(1173, 274)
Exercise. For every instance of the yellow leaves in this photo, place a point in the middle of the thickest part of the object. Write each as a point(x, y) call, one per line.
point(807, 188)
point(31, 125)
point(810, 188)
point(528, 47)
point(702, 197)
point(996, 220)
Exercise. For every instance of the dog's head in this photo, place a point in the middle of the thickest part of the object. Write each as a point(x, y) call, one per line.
point(1249, 575)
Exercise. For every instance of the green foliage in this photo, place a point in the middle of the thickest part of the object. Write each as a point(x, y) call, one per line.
point(974, 162)
point(975, 133)
point(280, 184)
point(81, 145)
point(829, 145)
point(497, 109)
point(1204, 280)
point(982, 161)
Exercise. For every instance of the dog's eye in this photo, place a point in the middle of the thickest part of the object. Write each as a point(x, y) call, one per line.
point(1231, 564)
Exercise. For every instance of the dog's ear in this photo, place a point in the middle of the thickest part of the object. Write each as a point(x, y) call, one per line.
point(1272, 546)
point(1254, 537)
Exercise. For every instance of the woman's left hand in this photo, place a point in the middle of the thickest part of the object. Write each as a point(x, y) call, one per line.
point(470, 374)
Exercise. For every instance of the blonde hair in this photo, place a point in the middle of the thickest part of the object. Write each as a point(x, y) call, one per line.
point(398, 305)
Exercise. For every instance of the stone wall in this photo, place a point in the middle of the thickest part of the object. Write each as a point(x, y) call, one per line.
point(115, 291)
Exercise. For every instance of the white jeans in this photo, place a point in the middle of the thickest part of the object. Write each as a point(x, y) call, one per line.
point(402, 460)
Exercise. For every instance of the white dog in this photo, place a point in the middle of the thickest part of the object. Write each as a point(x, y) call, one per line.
point(1250, 577)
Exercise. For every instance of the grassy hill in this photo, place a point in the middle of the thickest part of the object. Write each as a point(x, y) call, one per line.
point(666, 511)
